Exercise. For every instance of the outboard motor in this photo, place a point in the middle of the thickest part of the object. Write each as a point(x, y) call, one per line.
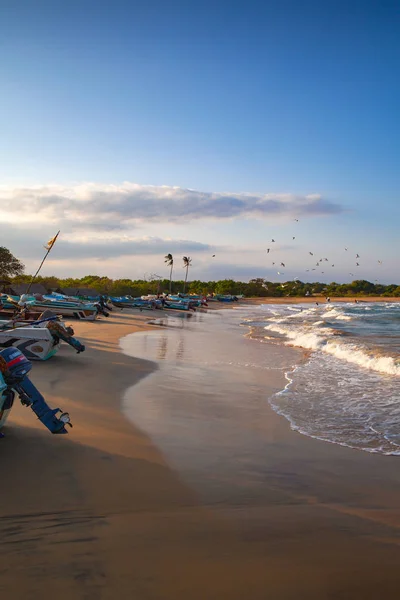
point(101, 308)
point(14, 367)
point(60, 332)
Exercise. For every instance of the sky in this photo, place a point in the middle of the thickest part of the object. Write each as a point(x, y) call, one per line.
point(201, 128)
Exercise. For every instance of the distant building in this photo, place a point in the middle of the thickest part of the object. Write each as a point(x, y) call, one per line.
point(18, 289)
point(82, 291)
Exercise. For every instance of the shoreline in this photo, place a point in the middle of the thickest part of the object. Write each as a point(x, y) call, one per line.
point(102, 512)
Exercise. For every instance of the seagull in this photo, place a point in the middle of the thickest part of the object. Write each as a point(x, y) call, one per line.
point(293, 238)
point(357, 264)
point(346, 249)
point(283, 265)
point(279, 273)
point(313, 269)
point(268, 249)
point(326, 259)
point(380, 262)
point(272, 240)
point(273, 263)
point(213, 256)
point(352, 274)
point(317, 264)
point(357, 256)
point(311, 253)
point(297, 220)
point(333, 265)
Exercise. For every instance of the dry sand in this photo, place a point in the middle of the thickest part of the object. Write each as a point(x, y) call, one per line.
point(98, 514)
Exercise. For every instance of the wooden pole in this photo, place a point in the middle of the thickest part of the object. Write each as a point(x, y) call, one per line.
point(41, 264)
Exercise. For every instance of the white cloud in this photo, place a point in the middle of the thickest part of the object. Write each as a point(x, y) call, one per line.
point(102, 208)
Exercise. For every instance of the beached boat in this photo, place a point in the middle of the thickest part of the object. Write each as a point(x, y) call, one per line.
point(227, 298)
point(14, 367)
point(178, 305)
point(38, 340)
point(85, 311)
point(142, 304)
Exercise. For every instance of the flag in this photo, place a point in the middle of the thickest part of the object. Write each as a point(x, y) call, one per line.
point(51, 242)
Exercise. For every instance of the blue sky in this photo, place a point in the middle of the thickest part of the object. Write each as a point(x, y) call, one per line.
point(266, 99)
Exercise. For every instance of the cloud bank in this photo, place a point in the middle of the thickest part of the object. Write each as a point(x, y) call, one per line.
point(97, 207)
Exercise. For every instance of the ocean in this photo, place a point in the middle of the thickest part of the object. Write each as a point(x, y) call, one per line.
point(332, 370)
point(347, 391)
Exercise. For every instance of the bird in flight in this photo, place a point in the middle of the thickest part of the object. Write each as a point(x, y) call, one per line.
point(379, 262)
point(333, 265)
point(357, 264)
point(346, 249)
point(293, 238)
point(311, 253)
point(213, 256)
point(357, 256)
point(268, 249)
point(279, 273)
point(272, 240)
point(273, 263)
point(352, 274)
point(283, 265)
point(297, 220)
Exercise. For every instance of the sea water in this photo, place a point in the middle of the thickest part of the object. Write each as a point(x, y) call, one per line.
point(347, 391)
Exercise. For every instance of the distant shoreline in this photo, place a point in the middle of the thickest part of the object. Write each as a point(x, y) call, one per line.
point(314, 299)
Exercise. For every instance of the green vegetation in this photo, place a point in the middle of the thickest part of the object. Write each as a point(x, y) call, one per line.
point(9, 265)
point(254, 288)
point(11, 269)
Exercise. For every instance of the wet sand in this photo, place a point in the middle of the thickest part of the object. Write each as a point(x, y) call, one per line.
point(101, 514)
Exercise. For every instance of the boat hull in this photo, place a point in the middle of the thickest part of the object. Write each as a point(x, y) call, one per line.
point(36, 343)
point(6, 402)
point(75, 312)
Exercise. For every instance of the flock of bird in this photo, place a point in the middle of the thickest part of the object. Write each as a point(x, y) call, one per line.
point(317, 264)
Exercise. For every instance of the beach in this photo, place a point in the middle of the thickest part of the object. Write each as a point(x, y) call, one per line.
point(160, 494)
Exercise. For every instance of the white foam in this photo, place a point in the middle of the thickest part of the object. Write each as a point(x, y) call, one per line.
point(306, 338)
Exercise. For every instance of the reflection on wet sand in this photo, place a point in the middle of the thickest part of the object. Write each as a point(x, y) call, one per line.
point(326, 515)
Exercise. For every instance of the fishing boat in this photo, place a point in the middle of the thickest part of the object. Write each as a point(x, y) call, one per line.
point(178, 305)
point(141, 303)
point(227, 298)
point(84, 311)
point(38, 340)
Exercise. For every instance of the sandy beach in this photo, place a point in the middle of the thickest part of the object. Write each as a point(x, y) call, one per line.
point(103, 514)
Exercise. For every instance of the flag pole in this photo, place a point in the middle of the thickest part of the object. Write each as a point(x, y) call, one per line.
point(50, 244)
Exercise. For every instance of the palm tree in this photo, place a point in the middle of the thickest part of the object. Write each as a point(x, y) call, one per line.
point(169, 259)
point(187, 261)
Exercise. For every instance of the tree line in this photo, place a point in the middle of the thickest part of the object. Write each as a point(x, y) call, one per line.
point(12, 271)
point(254, 288)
